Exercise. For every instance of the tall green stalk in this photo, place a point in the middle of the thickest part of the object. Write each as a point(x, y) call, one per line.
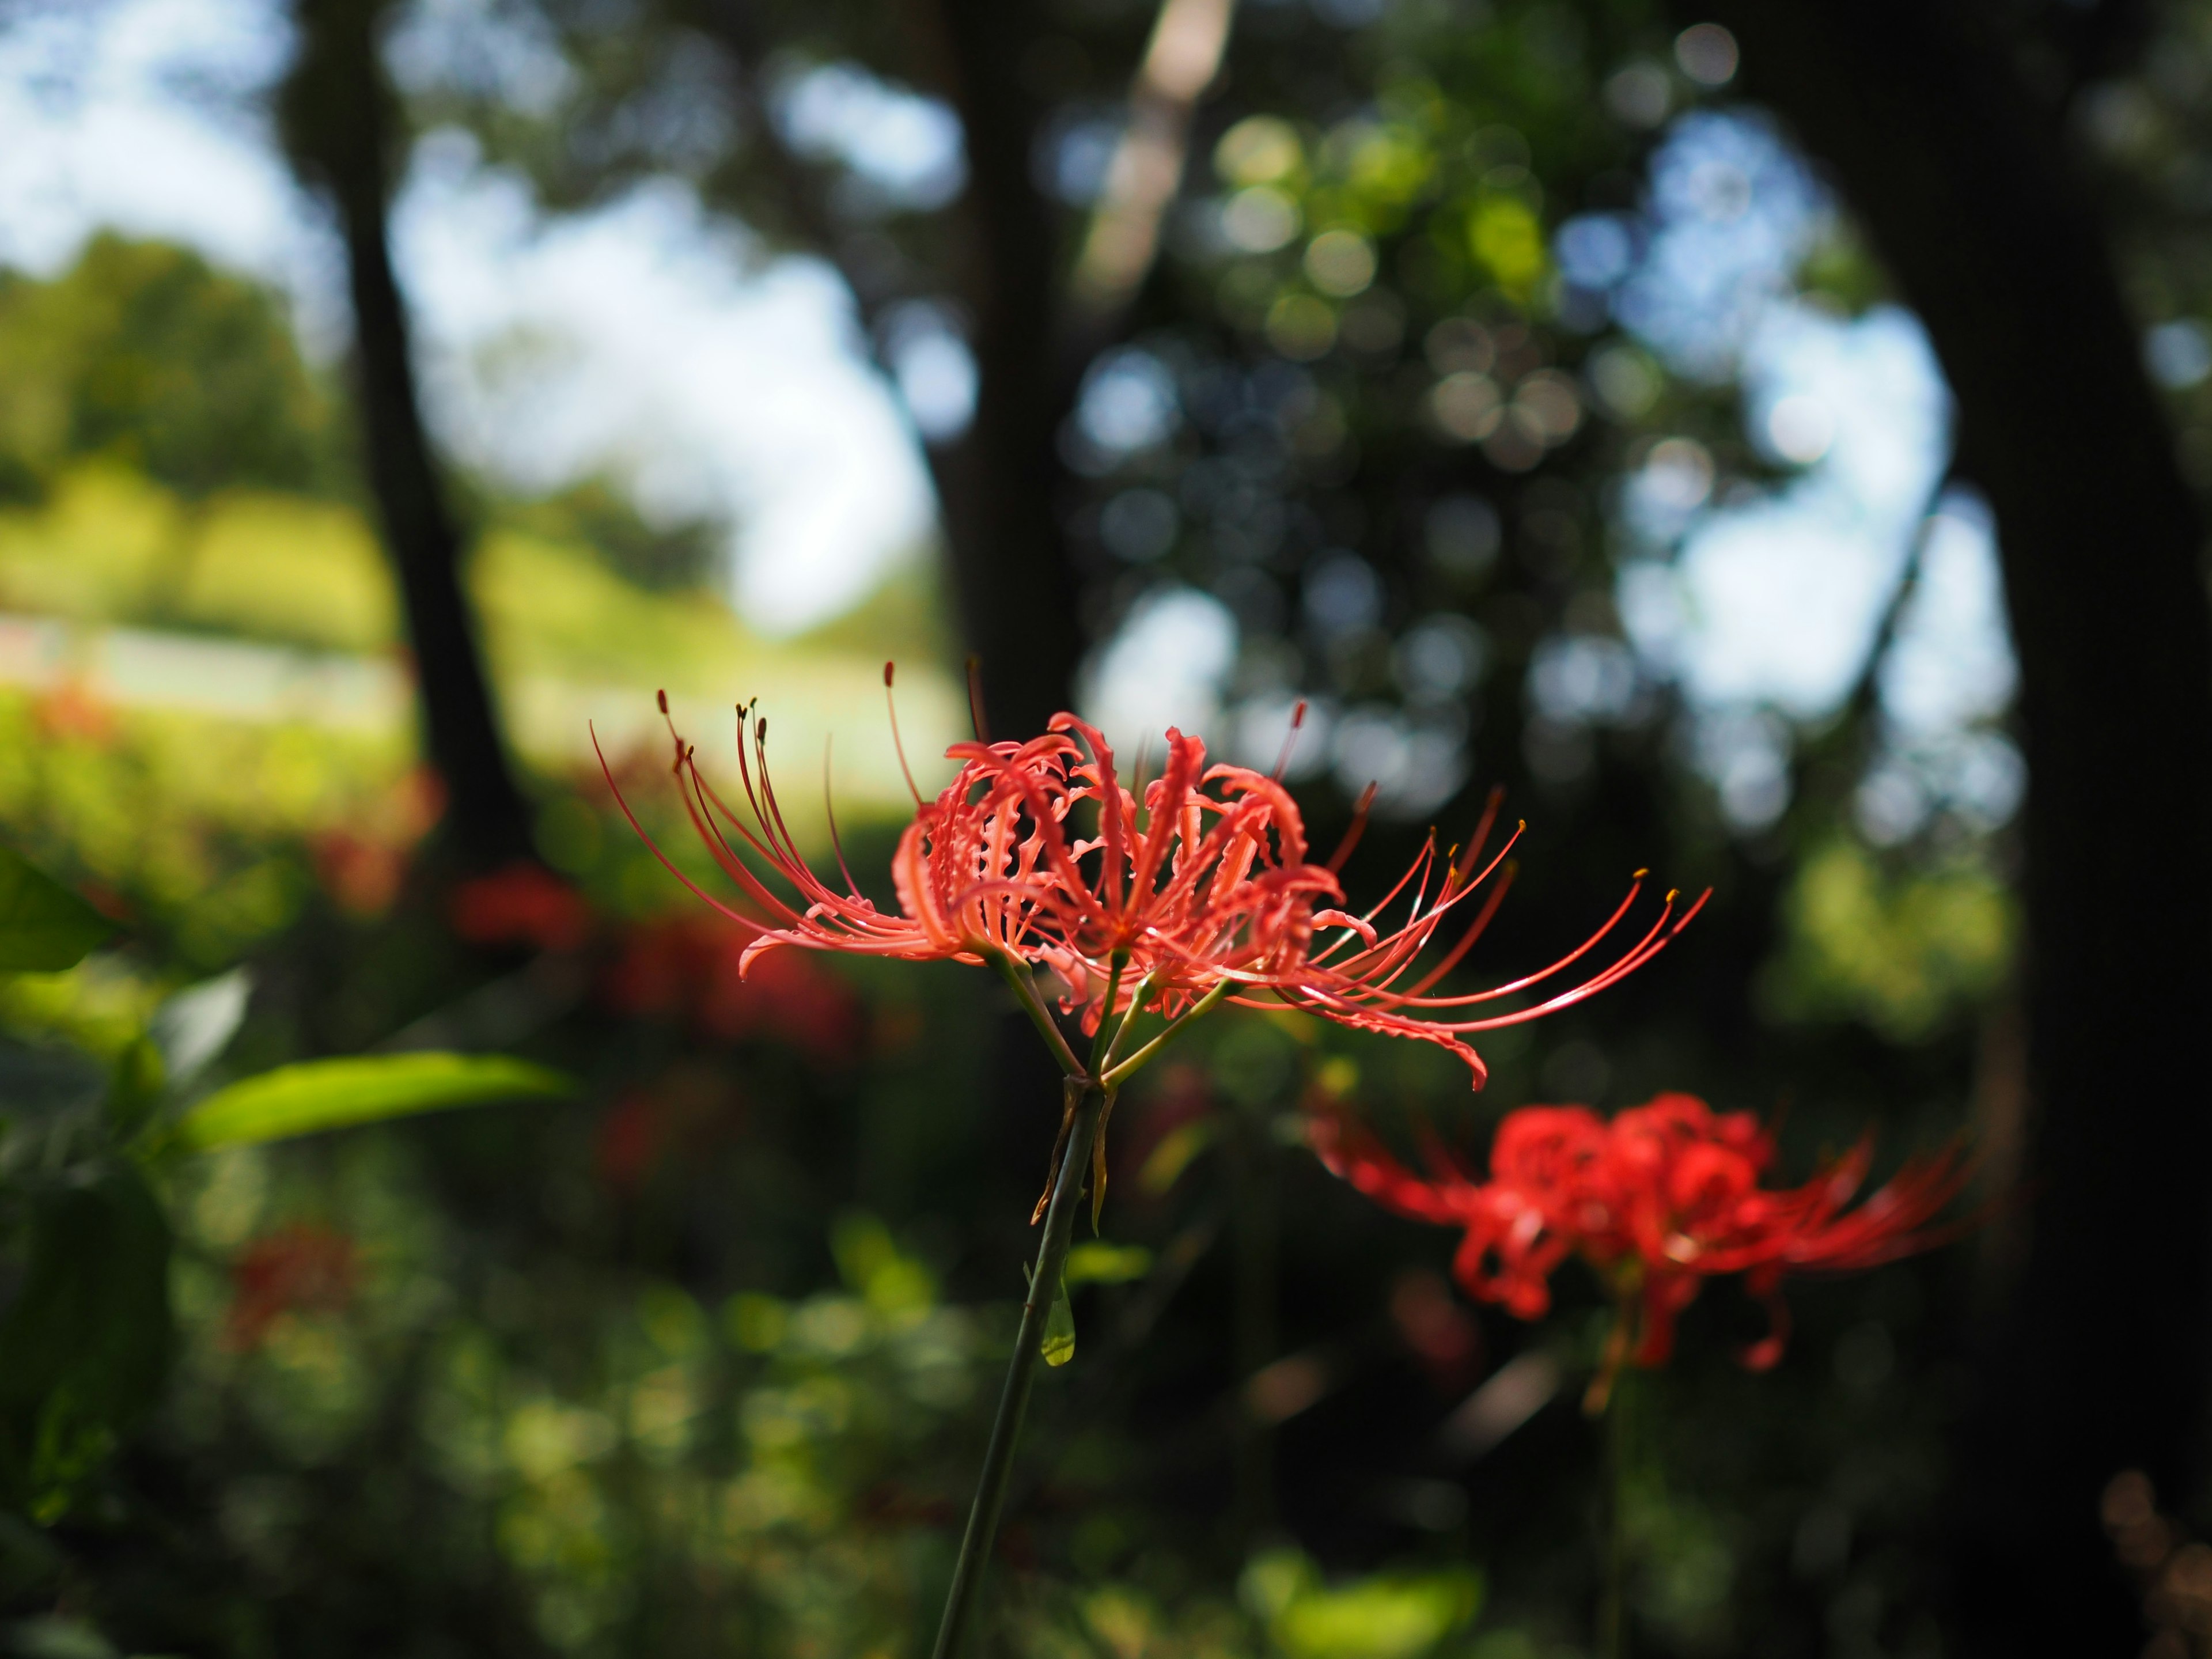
point(1087, 1109)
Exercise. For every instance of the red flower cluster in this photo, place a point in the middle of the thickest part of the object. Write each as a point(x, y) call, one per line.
point(1197, 883)
point(1657, 1201)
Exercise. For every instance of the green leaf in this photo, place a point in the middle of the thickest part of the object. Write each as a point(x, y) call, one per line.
point(336, 1094)
point(87, 1337)
point(1058, 1346)
point(195, 1025)
point(135, 1085)
point(44, 927)
point(1177, 1148)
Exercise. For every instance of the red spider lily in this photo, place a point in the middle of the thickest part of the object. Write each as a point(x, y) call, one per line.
point(1657, 1201)
point(1201, 889)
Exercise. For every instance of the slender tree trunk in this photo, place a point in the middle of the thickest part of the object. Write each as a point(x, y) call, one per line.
point(2102, 1358)
point(337, 121)
point(999, 482)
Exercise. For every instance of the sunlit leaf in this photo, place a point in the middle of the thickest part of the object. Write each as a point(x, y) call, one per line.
point(1058, 1344)
point(1164, 1166)
point(195, 1025)
point(1390, 1615)
point(336, 1094)
point(1096, 1263)
point(44, 927)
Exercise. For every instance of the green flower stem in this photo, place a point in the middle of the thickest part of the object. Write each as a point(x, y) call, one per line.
point(1033, 1005)
point(1021, 1371)
point(1109, 1029)
point(1120, 1073)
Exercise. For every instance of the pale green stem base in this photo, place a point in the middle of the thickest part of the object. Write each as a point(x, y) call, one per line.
point(1021, 1373)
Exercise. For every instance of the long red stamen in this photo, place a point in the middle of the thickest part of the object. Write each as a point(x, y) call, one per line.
point(891, 707)
point(1290, 741)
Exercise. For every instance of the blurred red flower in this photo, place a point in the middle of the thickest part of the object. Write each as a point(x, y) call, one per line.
point(524, 904)
point(694, 969)
point(73, 709)
point(301, 1268)
point(1658, 1199)
point(361, 864)
point(629, 1141)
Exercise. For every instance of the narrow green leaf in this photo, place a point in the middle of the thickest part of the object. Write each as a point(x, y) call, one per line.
point(336, 1094)
point(1058, 1346)
point(43, 927)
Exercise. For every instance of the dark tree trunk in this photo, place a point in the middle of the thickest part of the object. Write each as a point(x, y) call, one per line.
point(1011, 574)
point(337, 122)
point(2098, 1361)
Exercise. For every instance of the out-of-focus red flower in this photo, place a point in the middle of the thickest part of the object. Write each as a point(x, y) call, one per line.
point(630, 1140)
point(525, 903)
point(785, 996)
point(686, 1112)
point(1657, 1201)
point(1202, 887)
point(693, 969)
point(73, 709)
point(361, 876)
point(296, 1268)
point(658, 966)
point(360, 864)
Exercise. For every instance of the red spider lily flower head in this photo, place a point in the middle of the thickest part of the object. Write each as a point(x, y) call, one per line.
point(1206, 881)
point(1657, 1201)
point(1205, 885)
point(1037, 853)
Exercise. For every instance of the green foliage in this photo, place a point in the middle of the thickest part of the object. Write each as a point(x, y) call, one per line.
point(44, 927)
point(200, 823)
point(88, 1328)
point(1094, 1261)
point(1901, 949)
point(669, 558)
point(109, 544)
point(88, 1333)
point(1387, 1616)
point(144, 353)
point(315, 1096)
